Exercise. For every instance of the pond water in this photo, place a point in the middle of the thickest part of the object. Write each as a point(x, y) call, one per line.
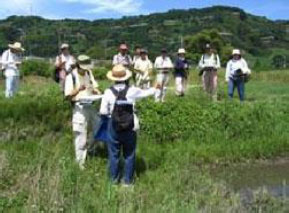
point(271, 176)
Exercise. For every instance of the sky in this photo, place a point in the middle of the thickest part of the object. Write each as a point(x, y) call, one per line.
point(99, 9)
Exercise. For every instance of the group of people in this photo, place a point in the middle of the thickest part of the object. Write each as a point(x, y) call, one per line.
point(117, 109)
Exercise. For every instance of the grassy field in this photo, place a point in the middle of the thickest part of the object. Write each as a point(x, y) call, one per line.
point(179, 142)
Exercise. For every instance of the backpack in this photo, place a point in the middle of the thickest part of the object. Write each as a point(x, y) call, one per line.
point(123, 113)
point(56, 75)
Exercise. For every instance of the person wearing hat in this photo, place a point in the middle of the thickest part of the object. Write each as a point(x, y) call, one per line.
point(82, 90)
point(181, 72)
point(209, 64)
point(236, 74)
point(118, 105)
point(122, 57)
point(143, 67)
point(163, 65)
point(64, 64)
point(11, 61)
point(137, 52)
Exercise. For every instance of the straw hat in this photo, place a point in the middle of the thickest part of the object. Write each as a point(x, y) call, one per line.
point(64, 46)
point(181, 51)
point(84, 62)
point(236, 52)
point(16, 46)
point(119, 73)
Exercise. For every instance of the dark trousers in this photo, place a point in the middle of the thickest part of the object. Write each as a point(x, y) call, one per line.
point(240, 84)
point(125, 142)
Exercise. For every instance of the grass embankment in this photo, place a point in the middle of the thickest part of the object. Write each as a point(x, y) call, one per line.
point(179, 140)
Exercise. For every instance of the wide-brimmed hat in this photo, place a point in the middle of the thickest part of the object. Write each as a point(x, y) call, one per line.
point(236, 52)
point(143, 51)
point(64, 46)
point(16, 46)
point(119, 73)
point(84, 62)
point(123, 47)
point(181, 51)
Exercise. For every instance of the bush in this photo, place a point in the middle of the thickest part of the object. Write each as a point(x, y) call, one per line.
point(100, 73)
point(37, 67)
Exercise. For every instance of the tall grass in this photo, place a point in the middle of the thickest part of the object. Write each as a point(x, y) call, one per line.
point(178, 141)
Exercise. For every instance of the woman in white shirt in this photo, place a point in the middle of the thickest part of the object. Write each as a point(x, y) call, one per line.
point(236, 74)
point(117, 105)
point(11, 61)
point(143, 67)
point(209, 64)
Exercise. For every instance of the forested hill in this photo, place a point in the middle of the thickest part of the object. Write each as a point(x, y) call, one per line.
point(99, 38)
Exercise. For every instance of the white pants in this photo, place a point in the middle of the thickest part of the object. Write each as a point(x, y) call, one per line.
point(163, 79)
point(85, 120)
point(12, 85)
point(180, 85)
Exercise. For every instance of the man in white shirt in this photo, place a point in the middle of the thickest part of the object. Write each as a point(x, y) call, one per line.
point(123, 57)
point(82, 89)
point(237, 73)
point(11, 61)
point(64, 64)
point(163, 65)
point(143, 67)
point(120, 100)
point(209, 65)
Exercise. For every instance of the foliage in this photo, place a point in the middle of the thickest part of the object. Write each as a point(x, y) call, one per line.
point(37, 67)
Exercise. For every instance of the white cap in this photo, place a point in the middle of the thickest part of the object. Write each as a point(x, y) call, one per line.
point(236, 52)
point(181, 51)
point(64, 46)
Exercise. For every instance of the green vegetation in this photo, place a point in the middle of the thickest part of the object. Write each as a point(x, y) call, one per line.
point(178, 143)
point(261, 38)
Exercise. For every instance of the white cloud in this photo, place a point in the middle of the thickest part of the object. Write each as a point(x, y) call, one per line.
point(124, 7)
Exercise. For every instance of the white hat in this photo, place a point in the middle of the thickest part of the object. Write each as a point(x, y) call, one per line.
point(119, 73)
point(84, 62)
point(181, 51)
point(64, 46)
point(16, 46)
point(236, 52)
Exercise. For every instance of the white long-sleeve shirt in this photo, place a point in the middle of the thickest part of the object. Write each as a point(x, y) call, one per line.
point(133, 94)
point(144, 66)
point(10, 63)
point(212, 60)
point(163, 64)
point(74, 81)
point(234, 65)
point(68, 59)
point(125, 60)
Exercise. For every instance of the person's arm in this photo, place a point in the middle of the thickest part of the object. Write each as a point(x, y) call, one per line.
point(201, 63)
point(70, 90)
point(218, 66)
point(104, 106)
point(95, 84)
point(170, 64)
point(228, 71)
point(5, 60)
point(245, 67)
point(114, 60)
point(137, 93)
point(156, 65)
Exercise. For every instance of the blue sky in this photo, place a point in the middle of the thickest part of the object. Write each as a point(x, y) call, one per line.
point(97, 9)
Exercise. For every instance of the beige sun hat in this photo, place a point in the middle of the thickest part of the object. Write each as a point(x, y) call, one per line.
point(16, 46)
point(236, 52)
point(84, 62)
point(119, 73)
point(181, 51)
point(64, 46)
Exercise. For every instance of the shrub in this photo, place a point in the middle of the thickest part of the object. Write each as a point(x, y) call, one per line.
point(37, 67)
point(100, 73)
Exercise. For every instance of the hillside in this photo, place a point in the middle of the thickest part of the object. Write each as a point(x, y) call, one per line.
point(99, 38)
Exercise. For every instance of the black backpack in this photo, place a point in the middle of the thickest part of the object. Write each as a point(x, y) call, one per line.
point(123, 113)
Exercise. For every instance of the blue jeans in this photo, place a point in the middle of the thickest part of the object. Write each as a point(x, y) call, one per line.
point(12, 84)
point(240, 84)
point(125, 142)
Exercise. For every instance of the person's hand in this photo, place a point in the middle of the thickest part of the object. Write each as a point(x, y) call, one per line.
point(81, 88)
point(158, 86)
point(96, 92)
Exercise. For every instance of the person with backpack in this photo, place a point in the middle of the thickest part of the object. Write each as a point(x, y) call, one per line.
point(11, 61)
point(82, 90)
point(118, 105)
point(209, 65)
point(63, 65)
point(181, 72)
point(237, 74)
point(143, 67)
point(163, 65)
